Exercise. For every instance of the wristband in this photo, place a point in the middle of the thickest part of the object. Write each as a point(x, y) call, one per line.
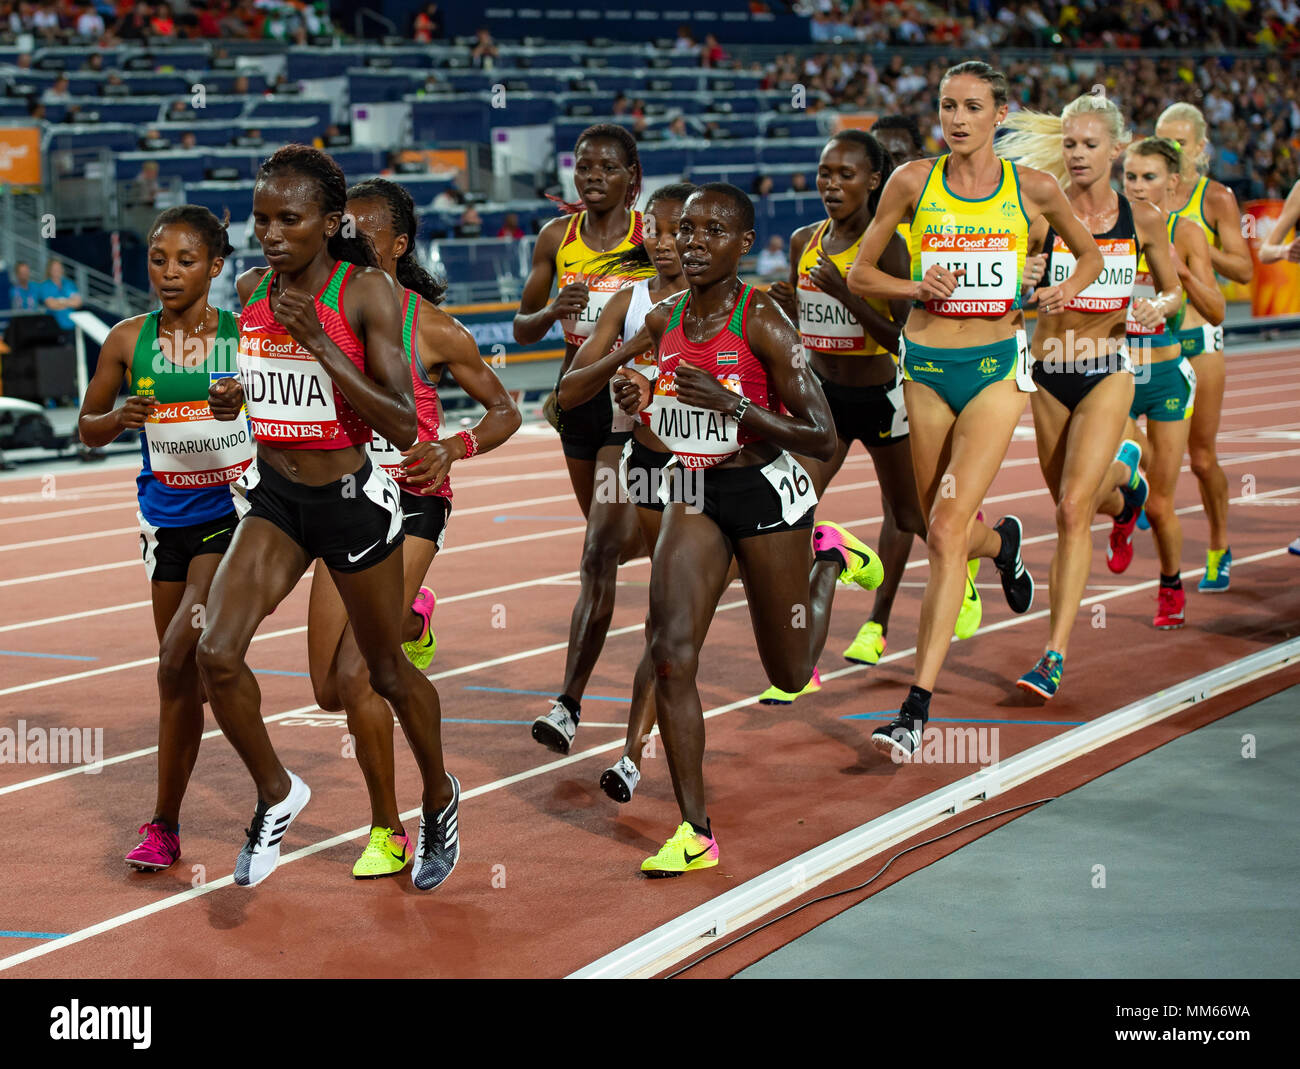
point(471, 443)
point(741, 409)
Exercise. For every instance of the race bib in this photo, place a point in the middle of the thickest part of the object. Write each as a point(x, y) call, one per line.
point(699, 437)
point(991, 280)
point(599, 290)
point(1113, 288)
point(190, 450)
point(385, 454)
point(825, 323)
point(1143, 289)
point(793, 485)
point(1024, 364)
point(289, 395)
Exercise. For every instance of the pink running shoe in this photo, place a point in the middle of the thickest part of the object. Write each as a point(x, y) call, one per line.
point(161, 849)
point(420, 651)
point(1170, 608)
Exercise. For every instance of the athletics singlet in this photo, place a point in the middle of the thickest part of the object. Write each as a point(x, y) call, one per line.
point(1113, 288)
point(1145, 287)
point(824, 323)
point(702, 437)
point(427, 409)
point(638, 306)
point(291, 399)
point(188, 458)
point(574, 260)
point(987, 238)
point(1194, 211)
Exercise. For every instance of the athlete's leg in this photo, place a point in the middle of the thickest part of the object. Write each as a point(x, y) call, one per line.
point(417, 559)
point(374, 602)
point(327, 619)
point(582, 475)
point(1211, 481)
point(686, 579)
point(641, 714)
point(955, 459)
point(1092, 436)
point(1168, 442)
point(259, 569)
point(902, 520)
point(180, 722)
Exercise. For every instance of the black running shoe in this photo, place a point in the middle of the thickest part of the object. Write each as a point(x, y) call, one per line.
point(438, 847)
point(1017, 583)
point(900, 738)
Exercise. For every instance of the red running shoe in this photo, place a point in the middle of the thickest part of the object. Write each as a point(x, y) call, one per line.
point(1119, 551)
point(1170, 602)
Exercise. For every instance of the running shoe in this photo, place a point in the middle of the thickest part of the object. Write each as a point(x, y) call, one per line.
point(900, 738)
point(1170, 605)
point(1294, 547)
point(1119, 548)
point(619, 781)
point(385, 855)
point(1130, 453)
point(1045, 677)
point(555, 730)
point(160, 850)
point(1017, 583)
point(861, 565)
point(776, 696)
point(972, 609)
point(1218, 564)
point(261, 853)
point(438, 848)
point(869, 646)
point(420, 651)
point(686, 851)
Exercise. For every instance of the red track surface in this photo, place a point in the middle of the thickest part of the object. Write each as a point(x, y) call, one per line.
point(548, 878)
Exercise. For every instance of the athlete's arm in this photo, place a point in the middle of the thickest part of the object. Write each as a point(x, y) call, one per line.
point(1154, 241)
point(865, 278)
point(785, 292)
point(535, 317)
point(896, 261)
point(1035, 261)
point(808, 429)
point(382, 394)
point(99, 422)
point(448, 342)
point(1233, 260)
point(594, 364)
point(1045, 196)
point(1275, 246)
point(1196, 273)
point(632, 390)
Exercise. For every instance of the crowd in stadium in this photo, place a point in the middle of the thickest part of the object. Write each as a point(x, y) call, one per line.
point(105, 21)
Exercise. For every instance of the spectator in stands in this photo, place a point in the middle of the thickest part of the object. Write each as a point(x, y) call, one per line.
point(239, 87)
point(134, 25)
point(448, 200)
point(428, 25)
point(189, 140)
point(144, 188)
point(23, 296)
point(59, 295)
point(676, 130)
point(58, 93)
point(45, 21)
point(161, 22)
point(772, 261)
point(798, 182)
point(621, 104)
point(510, 227)
point(762, 185)
point(484, 52)
point(712, 54)
point(685, 41)
point(209, 19)
point(35, 110)
point(90, 25)
point(20, 19)
point(113, 78)
point(470, 224)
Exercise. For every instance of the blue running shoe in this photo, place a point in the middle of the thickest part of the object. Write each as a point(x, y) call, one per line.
point(1218, 564)
point(1045, 677)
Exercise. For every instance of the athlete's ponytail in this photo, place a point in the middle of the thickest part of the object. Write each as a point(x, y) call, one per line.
point(1035, 137)
point(636, 262)
point(608, 131)
point(401, 210)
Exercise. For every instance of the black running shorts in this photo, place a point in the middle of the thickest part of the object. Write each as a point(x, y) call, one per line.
point(872, 415)
point(167, 551)
point(425, 517)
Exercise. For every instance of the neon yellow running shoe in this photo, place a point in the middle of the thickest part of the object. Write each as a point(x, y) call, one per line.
point(776, 696)
point(861, 565)
point(420, 651)
point(972, 609)
point(684, 852)
point(385, 855)
point(868, 647)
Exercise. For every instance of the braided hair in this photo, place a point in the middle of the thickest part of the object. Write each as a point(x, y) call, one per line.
point(636, 261)
point(627, 143)
point(328, 176)
point(213, 232)
point(401, 209)
point(877, 155)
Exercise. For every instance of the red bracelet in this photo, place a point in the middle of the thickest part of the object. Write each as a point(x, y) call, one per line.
point(471, 443)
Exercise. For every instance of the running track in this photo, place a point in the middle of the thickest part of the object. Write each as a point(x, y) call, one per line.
point(548, 876)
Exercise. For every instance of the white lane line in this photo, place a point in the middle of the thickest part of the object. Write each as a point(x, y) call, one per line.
point(38, 543)
point(60, 513)
point(108, 609)
point(133, 563)
point(170, 902)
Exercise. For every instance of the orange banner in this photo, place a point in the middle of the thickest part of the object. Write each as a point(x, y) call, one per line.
point(845, 120)
point(1275, 290)
point(436, 159)
point(20, 155)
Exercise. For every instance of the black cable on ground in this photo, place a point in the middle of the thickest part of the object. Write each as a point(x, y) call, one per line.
point(850, 890)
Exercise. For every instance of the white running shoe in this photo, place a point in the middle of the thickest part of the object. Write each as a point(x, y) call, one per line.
point(438, 848)
point(555, 730)
point(620, 780)
point(261, 853)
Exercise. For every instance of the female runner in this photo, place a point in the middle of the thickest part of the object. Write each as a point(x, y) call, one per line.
point(963, 350)
point(320, 364)
point(1085, 382)
point(384, 213)
point(187, 520)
